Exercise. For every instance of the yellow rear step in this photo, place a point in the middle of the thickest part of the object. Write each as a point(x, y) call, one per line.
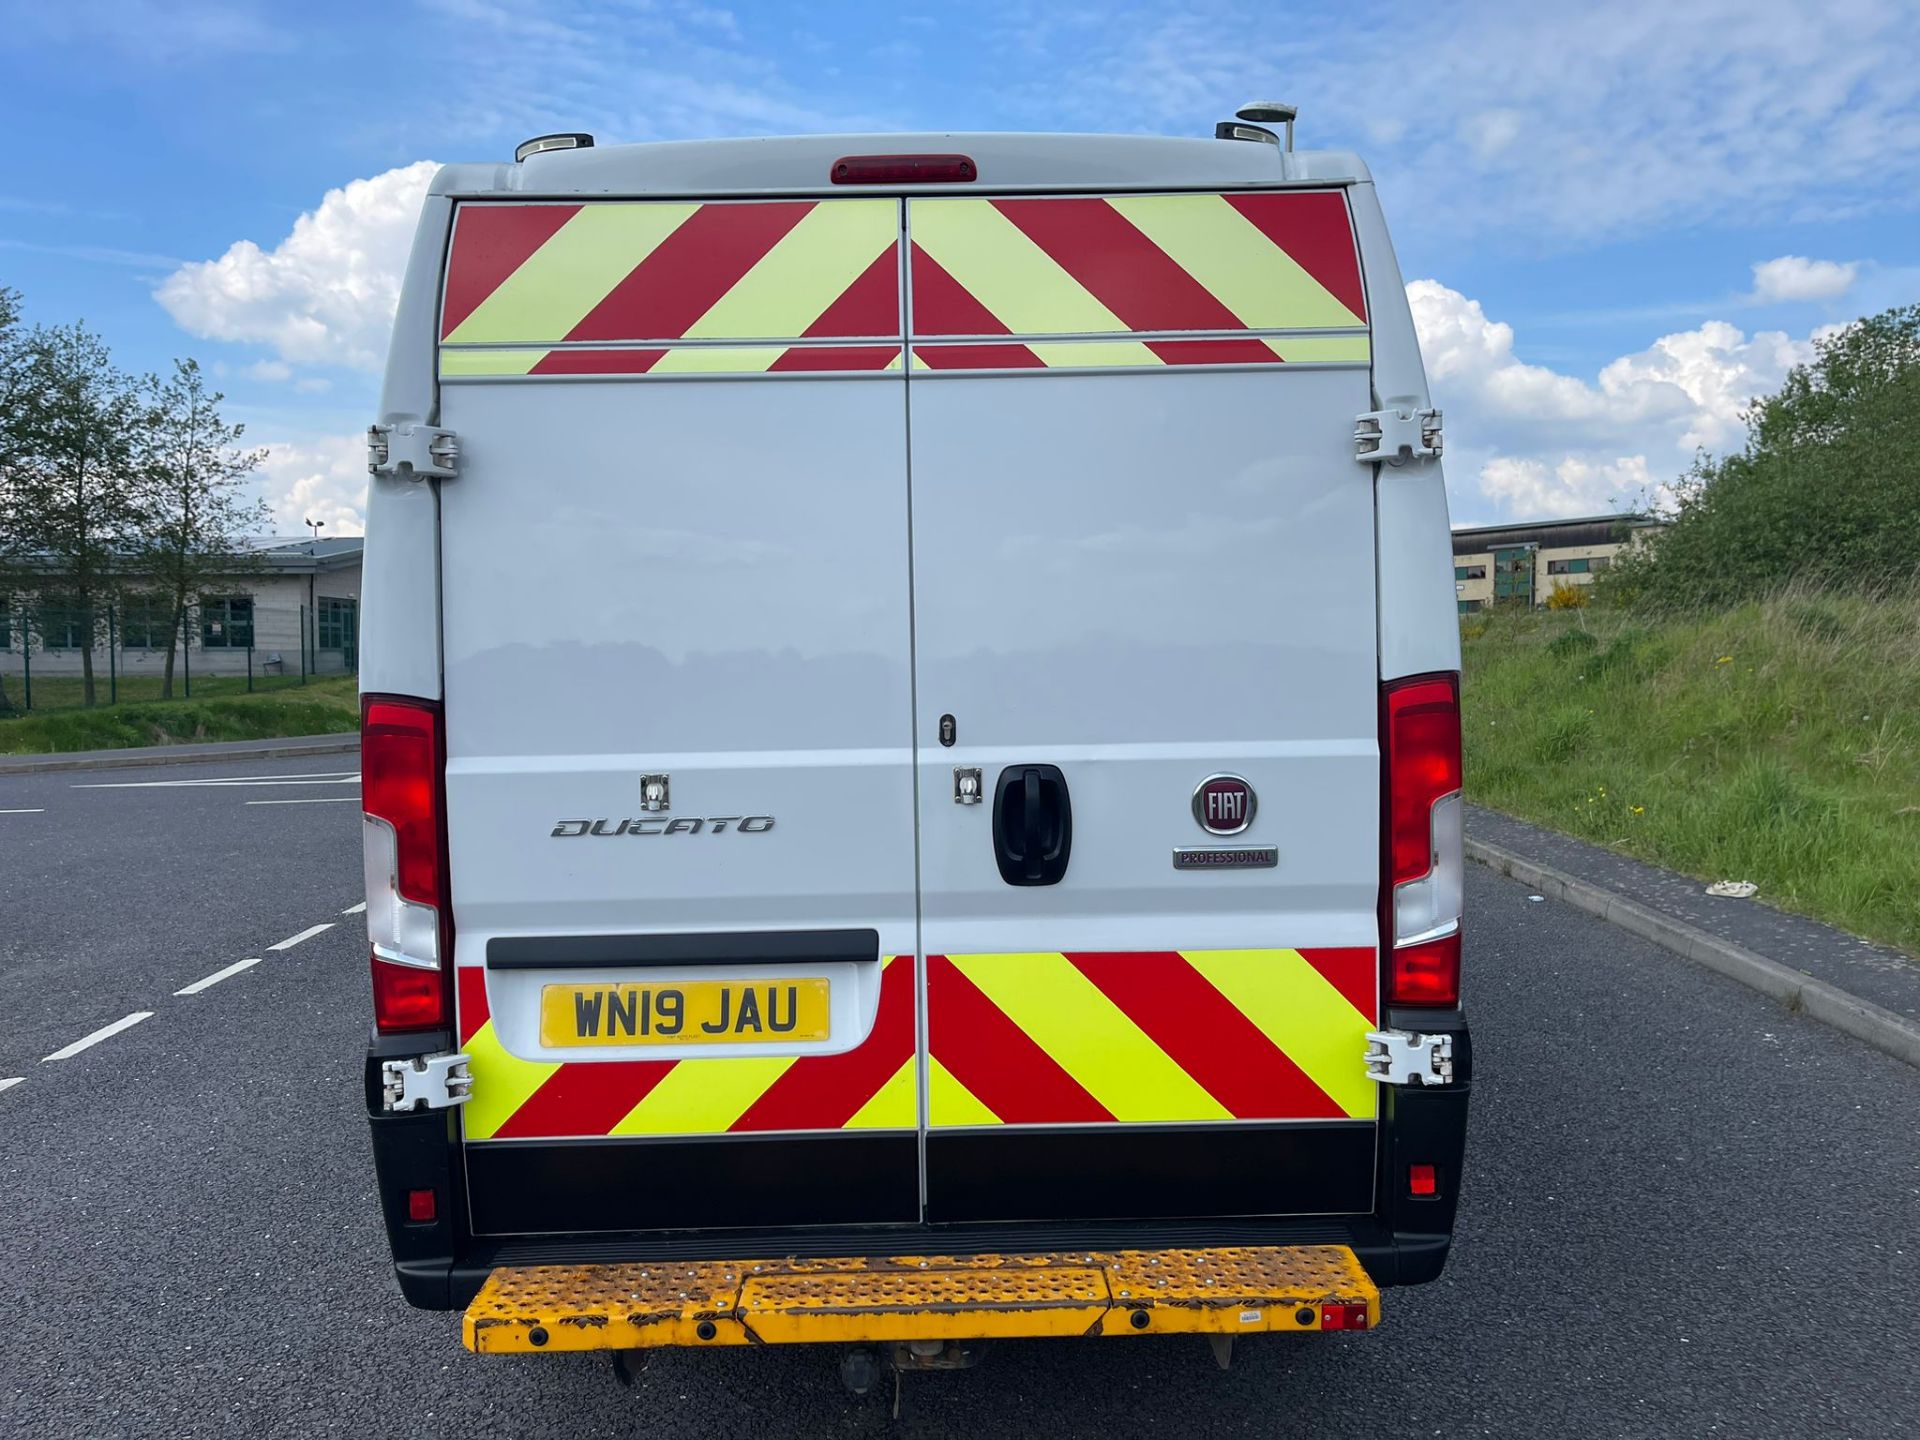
point(1233, 1291)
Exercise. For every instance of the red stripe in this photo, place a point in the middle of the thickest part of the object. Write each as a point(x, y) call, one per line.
point(978, 357)
point(471, 983)
point(597, 362)
point(997, 1060)
point(1314, 229)
point(490, 242)
point(1354, 972)
point(1213, 352)
point(824, 1092)
point(836, 357)
point(869, 306)
point(584, 1098)
point(1122, 268)
point(1198, 1027)
point(690, 270)
point(943, 306)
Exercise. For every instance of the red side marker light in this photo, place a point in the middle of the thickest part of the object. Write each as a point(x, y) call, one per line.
point(1343, 1317)
point(903, 169)
point(421, 1207)
point(1421, 1180)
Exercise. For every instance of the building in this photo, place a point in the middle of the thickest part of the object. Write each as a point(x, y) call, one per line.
point(293, 606)
point(1522, 564)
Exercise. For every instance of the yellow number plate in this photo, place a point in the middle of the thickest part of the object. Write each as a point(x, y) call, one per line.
point(699, 1012)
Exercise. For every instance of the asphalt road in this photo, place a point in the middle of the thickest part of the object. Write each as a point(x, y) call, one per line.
point(1686, 1212)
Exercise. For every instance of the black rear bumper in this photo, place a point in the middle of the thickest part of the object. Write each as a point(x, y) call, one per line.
point(440, 1264)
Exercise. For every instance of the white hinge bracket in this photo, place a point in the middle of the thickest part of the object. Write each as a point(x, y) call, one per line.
point(414, 452)
point(432, 1082)
point(1397, 436)
point(1397, 1057)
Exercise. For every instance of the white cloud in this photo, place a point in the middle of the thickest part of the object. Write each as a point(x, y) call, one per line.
point(323, 295)
point(317, 478)
point(1794, 277)
point(1532, 441)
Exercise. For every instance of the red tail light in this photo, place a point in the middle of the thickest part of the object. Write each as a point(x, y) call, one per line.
point(1423, 861)
point(409, 917)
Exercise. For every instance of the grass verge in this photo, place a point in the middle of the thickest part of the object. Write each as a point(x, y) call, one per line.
point(1777, 742)
point(320, 707)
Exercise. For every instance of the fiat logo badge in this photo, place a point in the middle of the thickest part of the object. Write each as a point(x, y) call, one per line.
point(1223, 804)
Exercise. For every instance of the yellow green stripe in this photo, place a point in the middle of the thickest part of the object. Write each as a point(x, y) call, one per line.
point(1227, 253)
point(950, 1103)
point(1091, 1038)
point(894, 1106)
point(489, 362)
point(502, 1083)
point(993, 260)
point(561, 282)
point(1303, 1013)
point(1059, 353)
point(718, 360)
point(809, 268)
point(702, 1097)
point(1322, 349)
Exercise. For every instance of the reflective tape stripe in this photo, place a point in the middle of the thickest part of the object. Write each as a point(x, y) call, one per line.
point(1303, 1013)
point(893, 1106)
point(699, 1097)
point(805, 272)
point(502, 1083)
point(1091, 1038)
point(950, 1103)
point(995, 262)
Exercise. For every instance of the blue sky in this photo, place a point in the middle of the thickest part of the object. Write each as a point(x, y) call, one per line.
point(1618, 222)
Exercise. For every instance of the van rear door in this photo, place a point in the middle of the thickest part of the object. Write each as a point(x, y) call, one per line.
point(1144, 613)
point(679, 770)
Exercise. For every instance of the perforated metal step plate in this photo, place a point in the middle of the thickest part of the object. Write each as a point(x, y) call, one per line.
point(1236, 1290)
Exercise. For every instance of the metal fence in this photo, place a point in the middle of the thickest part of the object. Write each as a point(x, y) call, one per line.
point(50, 653)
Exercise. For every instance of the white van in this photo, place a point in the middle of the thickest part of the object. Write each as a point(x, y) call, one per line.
point(911, 747)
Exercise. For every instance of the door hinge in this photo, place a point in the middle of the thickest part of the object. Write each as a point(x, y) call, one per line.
point(1398, 1057)
point(434, 1082)
point(1397, 436)
point(416, 452)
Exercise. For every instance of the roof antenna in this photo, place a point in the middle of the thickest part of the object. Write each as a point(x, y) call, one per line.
point(1270, 112)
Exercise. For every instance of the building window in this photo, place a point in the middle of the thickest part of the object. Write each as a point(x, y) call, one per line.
point(1469, 572)
point(1467, 607)
point(65, 623)
point(1567, 567)
point(145, 622)
point(226, 622)
point(1599, 563)
point(339, 623)
point(6, 621)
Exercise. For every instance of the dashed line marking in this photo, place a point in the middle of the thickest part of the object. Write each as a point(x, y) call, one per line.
point(41, 811)
point(306, 934)
point(105, 1032)
point(208, 982)
point(11, 1081)
point(228, 782)
point(359, 909)
point(322, 800)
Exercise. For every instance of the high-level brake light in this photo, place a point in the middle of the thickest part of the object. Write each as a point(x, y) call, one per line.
point(902, 169)
point(1425, 868)
point(409, 918)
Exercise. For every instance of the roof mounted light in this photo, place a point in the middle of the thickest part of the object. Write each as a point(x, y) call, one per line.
point(1270, 112)
point(1233, 130)
point(540, 144)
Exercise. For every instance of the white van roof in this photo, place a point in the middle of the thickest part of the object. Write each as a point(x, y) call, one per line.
point(789, 163)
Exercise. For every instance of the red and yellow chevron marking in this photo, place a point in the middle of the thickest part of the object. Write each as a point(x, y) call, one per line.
point(1142, 1037)
point(627, 271)
point(871, 1087)
point(480, 362)
point(1144, 264)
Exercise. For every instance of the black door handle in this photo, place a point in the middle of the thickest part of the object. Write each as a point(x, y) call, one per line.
point(1032, 824)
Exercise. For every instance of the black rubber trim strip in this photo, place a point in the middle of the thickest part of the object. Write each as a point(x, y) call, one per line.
point(726, 947)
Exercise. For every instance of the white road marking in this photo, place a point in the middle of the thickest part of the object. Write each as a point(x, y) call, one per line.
point(210, 981)
point(40, 811)
point(312, 800)
point(11, 1081)
point(306, 934)
point(228, 782)
point(359, 909)
point(105, 1032)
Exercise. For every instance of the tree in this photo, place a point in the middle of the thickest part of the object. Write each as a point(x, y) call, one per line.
point(68, 498)
point(12, 365)
point(1826, 491)
point(195, 512)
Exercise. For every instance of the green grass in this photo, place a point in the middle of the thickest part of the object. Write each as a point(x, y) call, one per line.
point(219, 712)
point(1778, 742)
point(68, 692)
